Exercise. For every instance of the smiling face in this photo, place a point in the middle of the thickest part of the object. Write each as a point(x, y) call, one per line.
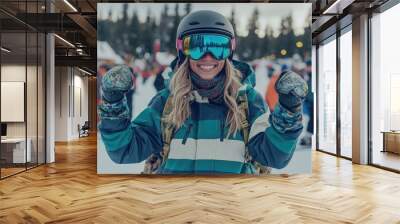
point(207, 67)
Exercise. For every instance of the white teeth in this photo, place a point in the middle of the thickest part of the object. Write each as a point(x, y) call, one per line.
point(207, 67)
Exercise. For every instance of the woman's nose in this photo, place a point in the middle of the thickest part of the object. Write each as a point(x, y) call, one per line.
point(208, 56)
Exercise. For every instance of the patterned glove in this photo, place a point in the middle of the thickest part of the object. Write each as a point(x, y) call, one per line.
point(292, 90)
point(116, 82)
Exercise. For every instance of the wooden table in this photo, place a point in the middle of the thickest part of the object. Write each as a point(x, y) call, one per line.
point(391, 141)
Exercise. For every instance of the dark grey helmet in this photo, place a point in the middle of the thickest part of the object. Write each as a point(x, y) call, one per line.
point(204, 21)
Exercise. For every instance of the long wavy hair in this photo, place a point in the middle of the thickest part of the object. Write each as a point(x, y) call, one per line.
point(181, 87)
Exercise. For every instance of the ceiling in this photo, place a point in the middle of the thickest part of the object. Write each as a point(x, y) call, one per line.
point(330, 15)
point(75, 21)
point(72, 20)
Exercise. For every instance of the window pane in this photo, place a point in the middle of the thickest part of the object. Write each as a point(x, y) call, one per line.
point(346, 94)
point(385, 89)
point(327, 97)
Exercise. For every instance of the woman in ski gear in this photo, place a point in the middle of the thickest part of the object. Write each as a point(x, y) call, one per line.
point(209, 118)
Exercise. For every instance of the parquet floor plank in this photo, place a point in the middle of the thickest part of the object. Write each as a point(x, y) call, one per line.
point(70, 191)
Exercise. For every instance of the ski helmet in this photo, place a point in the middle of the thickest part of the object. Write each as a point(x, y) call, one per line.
point(204, 21)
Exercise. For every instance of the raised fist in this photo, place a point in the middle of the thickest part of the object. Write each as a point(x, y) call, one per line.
point(292, 90)
point(116, 82)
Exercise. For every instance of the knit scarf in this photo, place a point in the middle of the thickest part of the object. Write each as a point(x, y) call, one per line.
point(212, 89)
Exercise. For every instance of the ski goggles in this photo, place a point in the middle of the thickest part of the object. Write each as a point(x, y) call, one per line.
point(196, 46)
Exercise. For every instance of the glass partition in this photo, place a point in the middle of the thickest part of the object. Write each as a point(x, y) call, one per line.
point(22, 78)
point(13, 94)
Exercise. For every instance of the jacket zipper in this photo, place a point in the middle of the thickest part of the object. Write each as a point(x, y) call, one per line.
point(185, 137)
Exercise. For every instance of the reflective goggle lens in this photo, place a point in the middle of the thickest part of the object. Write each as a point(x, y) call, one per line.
point(197, 45)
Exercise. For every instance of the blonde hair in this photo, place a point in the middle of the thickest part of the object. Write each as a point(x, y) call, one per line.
point(181, 87)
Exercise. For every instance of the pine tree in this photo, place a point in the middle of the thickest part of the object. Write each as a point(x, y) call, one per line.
point(147, 34)
point(232, 20)
point(188, 8)
point(291, 37)
point(267, 42)
point(109, 15)
point(119, 41)
point(287, 39)
point(123, 24)
point(163, 28)
point(103, 30)
point(306, 39)
point(252, 38)
point(125, 12)
point(176, 20)
point(134, 33)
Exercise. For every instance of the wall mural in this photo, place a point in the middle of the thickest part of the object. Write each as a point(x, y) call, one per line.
point(196, 88)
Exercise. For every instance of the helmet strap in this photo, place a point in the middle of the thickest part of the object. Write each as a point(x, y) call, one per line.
point(181, 58)
point(233, 47)
point(178, 44)
point(233, 44)
point(179, 48)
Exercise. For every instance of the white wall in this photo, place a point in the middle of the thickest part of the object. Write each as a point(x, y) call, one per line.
point(61, 103)
point(70, 83)
point(13, 73)
point(79, 117)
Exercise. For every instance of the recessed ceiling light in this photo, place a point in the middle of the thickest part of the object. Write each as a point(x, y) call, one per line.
point(64, 40)
point(337, 7)
point(5, 50)
point(84, 71)
point(70, 5)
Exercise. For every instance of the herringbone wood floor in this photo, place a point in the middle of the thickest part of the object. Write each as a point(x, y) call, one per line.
point(70, 191)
